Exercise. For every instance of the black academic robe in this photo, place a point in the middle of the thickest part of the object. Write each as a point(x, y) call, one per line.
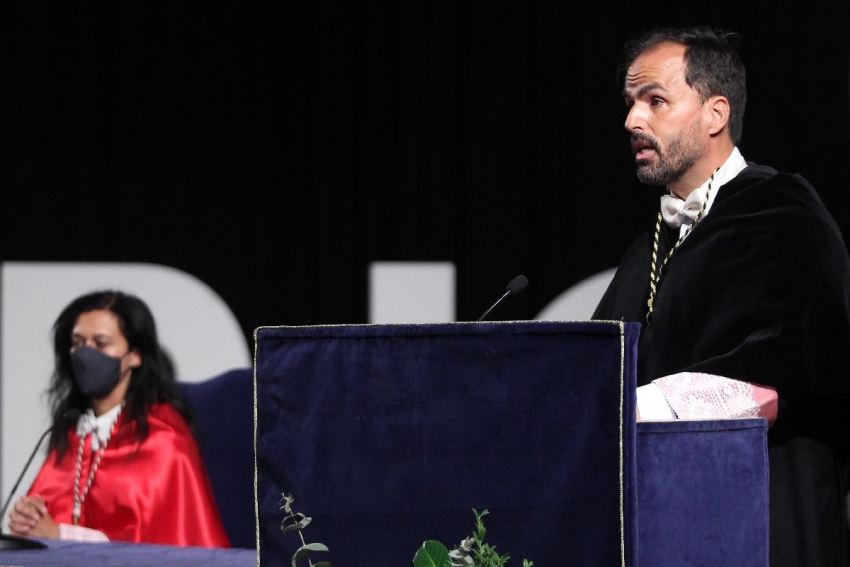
point(760, 291)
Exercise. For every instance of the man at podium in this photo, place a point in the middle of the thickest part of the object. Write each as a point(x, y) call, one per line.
point(741, 284)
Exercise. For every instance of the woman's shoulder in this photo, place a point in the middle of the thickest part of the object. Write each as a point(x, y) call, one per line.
point(165, 420)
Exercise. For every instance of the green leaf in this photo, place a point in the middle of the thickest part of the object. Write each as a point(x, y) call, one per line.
point(432, 554)
point(314, 547)
point(322, 564)
point(296, 525)
point(292, 528)
point(304, 551)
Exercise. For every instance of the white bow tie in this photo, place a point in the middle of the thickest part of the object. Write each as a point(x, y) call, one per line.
point(86, 423)
point(676, 211)
point(101, 427)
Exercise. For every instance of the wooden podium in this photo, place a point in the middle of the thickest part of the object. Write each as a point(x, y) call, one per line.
point(389, 435)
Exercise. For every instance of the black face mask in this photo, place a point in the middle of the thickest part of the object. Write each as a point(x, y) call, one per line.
point(95, 373)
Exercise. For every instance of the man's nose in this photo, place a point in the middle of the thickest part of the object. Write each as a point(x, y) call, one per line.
point(635, 119)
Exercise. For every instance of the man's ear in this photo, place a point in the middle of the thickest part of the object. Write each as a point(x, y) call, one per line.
point(718, 109)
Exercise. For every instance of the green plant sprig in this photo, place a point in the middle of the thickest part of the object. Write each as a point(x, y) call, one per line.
point(471, 552)
point(296, 522)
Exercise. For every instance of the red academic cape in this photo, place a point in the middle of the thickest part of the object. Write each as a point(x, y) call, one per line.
point(156, 492)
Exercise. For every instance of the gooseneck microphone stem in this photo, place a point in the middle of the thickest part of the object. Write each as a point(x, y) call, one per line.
point(515, 286)
point(23, 472)
point(498, 301)
point(11, 541)
point(14, 542)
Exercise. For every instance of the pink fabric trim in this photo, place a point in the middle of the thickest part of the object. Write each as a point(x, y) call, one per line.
point(768, 402)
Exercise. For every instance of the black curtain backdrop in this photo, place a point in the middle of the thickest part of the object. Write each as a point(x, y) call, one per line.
point(275, 150)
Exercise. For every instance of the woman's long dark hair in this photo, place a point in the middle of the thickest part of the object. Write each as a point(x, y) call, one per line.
point(152, 382)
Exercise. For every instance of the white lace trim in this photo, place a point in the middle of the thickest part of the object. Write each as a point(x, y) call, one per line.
point(70, 532)
point(695, 395)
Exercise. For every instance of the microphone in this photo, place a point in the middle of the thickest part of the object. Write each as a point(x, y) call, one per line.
point(515, 286)
point(14, 542)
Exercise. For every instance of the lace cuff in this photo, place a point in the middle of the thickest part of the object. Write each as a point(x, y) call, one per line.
point(694, 395)
point(81, 533)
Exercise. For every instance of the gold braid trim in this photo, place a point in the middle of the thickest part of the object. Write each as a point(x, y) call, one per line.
point(655, 275)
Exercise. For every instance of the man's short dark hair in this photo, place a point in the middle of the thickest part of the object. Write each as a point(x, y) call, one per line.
point(713, 66)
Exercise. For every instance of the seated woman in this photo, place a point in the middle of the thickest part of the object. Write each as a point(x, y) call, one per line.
point(123, 462)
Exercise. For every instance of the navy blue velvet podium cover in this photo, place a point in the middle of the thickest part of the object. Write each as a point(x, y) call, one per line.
point(702, 489)
point(389, 435)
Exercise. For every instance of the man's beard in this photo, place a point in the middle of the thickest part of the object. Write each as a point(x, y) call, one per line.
point(678, 157)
